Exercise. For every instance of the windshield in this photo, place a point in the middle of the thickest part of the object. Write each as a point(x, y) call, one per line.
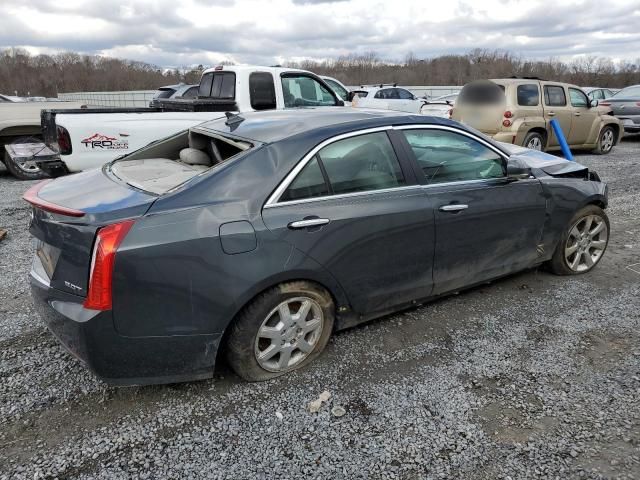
point(337, 88)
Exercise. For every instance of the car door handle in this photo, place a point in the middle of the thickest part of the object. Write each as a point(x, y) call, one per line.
point(577, 114)
point(453, 208)
point(310, 222)
point(551, 114)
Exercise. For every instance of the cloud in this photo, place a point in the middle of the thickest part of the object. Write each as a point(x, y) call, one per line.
point(170, 33)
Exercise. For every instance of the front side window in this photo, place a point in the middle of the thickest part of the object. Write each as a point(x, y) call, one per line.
point(262, 91)
point(190, 93)
point(554, 96)
point(356, 164)
point(404, 94)
point(305, 91)
point(528, 95)
point(446, 156)
point(578, 98)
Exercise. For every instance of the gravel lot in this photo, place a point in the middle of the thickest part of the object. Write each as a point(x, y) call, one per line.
point(533, 376)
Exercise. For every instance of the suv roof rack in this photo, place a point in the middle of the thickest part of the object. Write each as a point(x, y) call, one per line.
point(380, 85)
point(528, 78)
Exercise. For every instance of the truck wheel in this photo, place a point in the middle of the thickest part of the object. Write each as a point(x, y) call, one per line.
point(24, 170)
point(281, 330)
point(534, 141)
point(606, 140)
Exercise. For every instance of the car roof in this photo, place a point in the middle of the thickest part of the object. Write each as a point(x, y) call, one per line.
point(274, 125)
point(252, 68)
point(506, 81)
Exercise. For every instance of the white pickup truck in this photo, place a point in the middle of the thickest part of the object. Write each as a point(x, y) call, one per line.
point(83, 139)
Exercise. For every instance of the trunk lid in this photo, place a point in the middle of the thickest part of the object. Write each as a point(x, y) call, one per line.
point(67, 213)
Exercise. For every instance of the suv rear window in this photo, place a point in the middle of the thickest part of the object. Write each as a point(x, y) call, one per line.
point(528, 95)
point(554, 96)
point(218, 85)
point(482, 92)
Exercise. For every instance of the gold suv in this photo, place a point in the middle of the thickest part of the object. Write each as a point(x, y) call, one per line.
point(519, 111)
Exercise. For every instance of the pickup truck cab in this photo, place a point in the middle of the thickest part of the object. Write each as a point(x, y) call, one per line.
point(84, 139)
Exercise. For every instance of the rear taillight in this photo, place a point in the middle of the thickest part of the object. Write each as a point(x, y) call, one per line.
point(64, 140)
point(508, 114)
point(604, 104)
point(107, 242)
point(506, 123)
point(32, 197)
point(638, 104)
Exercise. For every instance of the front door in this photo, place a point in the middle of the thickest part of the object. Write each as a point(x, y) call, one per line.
point(486, 226)
point(353, 210)
point(583, 118)
point(557, 107)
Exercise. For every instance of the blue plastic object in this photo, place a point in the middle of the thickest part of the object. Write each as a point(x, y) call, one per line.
point(564, 146)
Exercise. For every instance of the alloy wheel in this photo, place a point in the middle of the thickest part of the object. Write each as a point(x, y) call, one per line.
point(606, 143)
point(288, 334)
point(535, 143)
point(586, 243)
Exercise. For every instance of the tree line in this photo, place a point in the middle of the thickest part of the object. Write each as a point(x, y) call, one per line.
point(47, 75)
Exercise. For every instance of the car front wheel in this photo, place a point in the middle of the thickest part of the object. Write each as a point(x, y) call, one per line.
point(281, 330)
point(583, 243)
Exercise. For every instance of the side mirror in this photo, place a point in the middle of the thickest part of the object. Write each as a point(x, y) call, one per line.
point(593, 103)
point(516, 170)
point(350, 96)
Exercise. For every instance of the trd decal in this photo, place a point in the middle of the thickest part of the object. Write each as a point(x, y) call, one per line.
point(98, 140)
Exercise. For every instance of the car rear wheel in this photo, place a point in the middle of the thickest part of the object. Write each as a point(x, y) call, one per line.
point(606, 141)
point(281, 330)
point(583, 243)
point(24, 169)
point(534, 141)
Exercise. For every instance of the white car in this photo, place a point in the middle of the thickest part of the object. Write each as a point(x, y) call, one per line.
point(440, 106)
point(387, 97)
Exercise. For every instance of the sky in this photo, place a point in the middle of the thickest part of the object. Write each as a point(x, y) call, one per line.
point(173, 33)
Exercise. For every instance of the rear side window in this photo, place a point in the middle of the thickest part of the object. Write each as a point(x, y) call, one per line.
point(528, 95)
point(578, 98)
point(482, 92)
point(165, 92)
point(262, 91)
point(191, 92)
point(357, 164)
point(309, 183)
point(446, 156)
point(554, 96)
point(221, 85)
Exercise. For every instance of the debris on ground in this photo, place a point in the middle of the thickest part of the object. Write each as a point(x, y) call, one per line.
point(315, 405)
point(338, 411)
point(3, 233)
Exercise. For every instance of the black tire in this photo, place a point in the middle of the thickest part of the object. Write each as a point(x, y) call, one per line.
point(559, 263)
point(23, 172)
point(242, 341)
point(534, 138)
point(606, 141)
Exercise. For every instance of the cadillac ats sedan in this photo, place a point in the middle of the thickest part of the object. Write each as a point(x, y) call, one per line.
point(255, 237)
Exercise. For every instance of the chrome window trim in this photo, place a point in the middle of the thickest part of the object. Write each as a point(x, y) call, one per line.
point(284, 184)
point(422, 126)
point(339, 196)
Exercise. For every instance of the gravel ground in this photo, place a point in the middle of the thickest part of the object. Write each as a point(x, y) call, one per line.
point(533, 376)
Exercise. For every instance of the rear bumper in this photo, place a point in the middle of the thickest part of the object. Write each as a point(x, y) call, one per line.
point(119, 360)
point(630, 123)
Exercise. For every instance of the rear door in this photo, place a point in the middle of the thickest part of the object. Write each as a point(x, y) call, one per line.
point(486, 226)
point(556, 106)
point(355, 208)
point(583, 118)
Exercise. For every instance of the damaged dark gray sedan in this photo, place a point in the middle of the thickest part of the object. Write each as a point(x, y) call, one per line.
point(259, 235)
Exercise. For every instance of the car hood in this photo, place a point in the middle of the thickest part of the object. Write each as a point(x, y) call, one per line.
point(549, 164)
